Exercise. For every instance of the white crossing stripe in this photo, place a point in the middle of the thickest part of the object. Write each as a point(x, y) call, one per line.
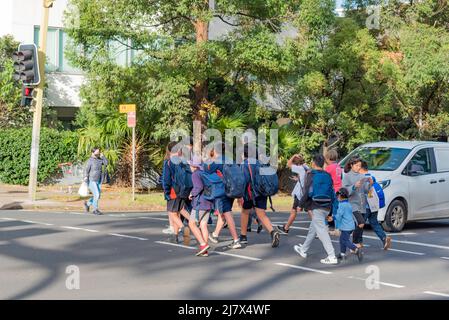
point(410, 252)
point(430, 245)
point(126, 236)
point(81, 229)
point(175, 245)
point(9, 219)
point(151, 218)
point(379, 282)
point(437, 294)
point(445, 258)
point(236, 256)
point(303, 268)
point(401, 234)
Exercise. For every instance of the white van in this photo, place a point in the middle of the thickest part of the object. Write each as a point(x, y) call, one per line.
point(414, 176)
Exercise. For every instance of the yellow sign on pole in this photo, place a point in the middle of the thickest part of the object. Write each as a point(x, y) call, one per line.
point(125, 108)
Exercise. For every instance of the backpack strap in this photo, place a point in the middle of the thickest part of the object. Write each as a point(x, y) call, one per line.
point(271, 204)
point(251, 184)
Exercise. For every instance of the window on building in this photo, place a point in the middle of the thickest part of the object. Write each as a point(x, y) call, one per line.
point(56, 44)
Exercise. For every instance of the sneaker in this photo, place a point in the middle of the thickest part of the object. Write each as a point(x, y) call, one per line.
point(169, 230)
point(387, 243)
point(359, 254)
point(298, 249)
point(235, 245)
point(203, 249)
point(329, 260)
point(248, 229)
point(97, 212)
point(275, 237)
point(259, 228)
point(341, 256)
point(213, 238)
point(86, 207)
point(282, 230)
point(243, 239)
point(205, 254)
point(225, 226)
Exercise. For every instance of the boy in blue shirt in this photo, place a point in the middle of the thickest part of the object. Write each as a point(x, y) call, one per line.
point(345, 222)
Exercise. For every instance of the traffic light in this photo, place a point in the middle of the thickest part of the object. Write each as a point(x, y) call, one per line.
point(26, 65)
point(28, 97)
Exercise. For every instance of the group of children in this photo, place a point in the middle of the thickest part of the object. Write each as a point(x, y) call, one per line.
point(196, 188)
point(203, 198)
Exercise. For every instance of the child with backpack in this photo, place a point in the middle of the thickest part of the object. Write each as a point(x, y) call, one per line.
point(345, 223)
point(232, 180)
point(201, 208)
point(177, 184)
point(319, 197)
point(297, 165)
point(374, 192)
point(261, 183)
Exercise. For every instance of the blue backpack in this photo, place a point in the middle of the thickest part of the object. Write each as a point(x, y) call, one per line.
point(213, 185)
point(322, 191)
point(182, 180)
point(267, 181)
point(380, 193)
point(234, 181)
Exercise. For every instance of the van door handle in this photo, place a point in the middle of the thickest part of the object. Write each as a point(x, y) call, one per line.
point(433, 181)
point(442, 180)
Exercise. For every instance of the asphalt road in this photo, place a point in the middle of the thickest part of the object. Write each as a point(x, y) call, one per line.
point(126, 256)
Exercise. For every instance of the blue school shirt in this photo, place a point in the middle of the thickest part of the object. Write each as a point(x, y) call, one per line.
point(344, 219)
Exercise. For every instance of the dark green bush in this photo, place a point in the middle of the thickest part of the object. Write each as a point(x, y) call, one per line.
point(15, 145)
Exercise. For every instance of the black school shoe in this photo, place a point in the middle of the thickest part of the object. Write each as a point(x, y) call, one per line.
point(275, 237)
point(86, 207)
point(259, 228)
point(97, 212)
point(243, 239)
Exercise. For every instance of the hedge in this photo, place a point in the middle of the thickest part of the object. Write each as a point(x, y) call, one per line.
point(15, 145)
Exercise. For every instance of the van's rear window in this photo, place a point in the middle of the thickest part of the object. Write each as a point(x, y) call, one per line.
point(378, 158)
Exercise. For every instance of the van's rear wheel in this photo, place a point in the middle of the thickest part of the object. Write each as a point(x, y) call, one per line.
point(396, 217)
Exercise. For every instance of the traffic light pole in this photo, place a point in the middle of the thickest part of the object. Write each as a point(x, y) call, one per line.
point(37, 117)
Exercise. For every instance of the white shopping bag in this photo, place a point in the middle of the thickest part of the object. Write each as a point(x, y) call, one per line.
point(83, 190)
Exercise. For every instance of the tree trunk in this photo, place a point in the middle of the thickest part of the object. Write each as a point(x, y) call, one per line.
point(201, 87)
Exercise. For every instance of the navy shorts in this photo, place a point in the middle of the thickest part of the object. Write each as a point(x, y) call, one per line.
point(224, 204)
point(176, 205)
point(261, 203)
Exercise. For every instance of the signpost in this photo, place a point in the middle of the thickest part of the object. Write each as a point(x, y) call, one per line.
point(130, 110)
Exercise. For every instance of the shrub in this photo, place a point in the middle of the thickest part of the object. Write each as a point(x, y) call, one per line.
point(15, 145)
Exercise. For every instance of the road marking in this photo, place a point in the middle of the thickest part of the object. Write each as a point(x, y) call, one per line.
point(151, 218)
point(379, 282)
point(437, 294)
point(303, 268)
point(415, 243)
point(126, 236)
point(81, 229)
point(431, 231)
point(175, 245)
point(410, 252)
point(236, 256)
point(401, 234)
point(299, 228)
point(28, 221)
point(445, 258)
point(9, 219)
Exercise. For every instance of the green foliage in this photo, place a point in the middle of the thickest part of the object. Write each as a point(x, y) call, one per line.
point(55, 147)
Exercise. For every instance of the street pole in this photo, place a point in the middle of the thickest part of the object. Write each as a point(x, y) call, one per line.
point(37, 117)
point(134, 162)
